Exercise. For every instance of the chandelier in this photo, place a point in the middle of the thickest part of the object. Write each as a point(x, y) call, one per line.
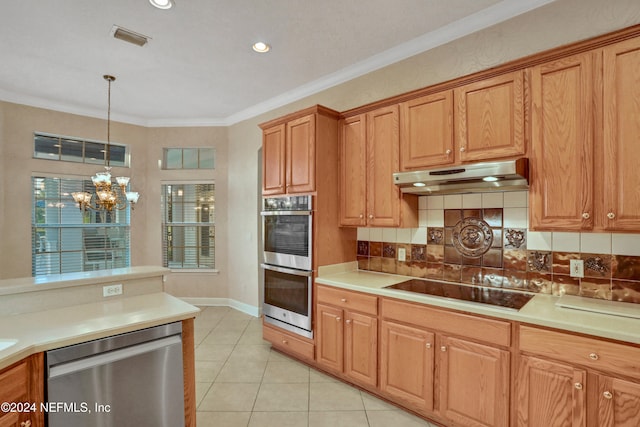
point(108, 196)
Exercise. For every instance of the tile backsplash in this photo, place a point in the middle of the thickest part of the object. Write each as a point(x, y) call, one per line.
point(516, 258)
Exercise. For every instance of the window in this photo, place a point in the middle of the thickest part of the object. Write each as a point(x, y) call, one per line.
point(53, 147)
point(189, 158)
point(188, 226)
point(65, 239)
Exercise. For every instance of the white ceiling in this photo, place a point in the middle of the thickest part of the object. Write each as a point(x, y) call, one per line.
point(198, 68)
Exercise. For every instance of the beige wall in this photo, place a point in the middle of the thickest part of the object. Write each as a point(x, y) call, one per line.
point(558, 23)
point(146, 144)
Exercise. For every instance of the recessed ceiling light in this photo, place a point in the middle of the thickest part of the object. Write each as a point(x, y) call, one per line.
point(162, 4)
point(261, 47)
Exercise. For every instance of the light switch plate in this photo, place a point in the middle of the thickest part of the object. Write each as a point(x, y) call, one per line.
point(577, 267)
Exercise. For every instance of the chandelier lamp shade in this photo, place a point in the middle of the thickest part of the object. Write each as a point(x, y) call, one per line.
point(107, 196)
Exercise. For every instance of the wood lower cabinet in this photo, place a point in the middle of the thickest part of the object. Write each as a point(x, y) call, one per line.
point(347, 340)
point(550, 394)
point(575, 381)
point(22, 383)
point(489, 118)
point(403, 346)
point(370, 154)
point(474, 383)
point(618, 402)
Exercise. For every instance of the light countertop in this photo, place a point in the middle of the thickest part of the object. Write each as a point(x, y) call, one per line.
point(30, 333)
point(540, 310)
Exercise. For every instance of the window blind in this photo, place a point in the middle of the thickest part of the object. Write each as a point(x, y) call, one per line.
point(65, 239)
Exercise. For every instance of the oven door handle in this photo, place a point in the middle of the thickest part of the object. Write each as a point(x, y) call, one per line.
point(285, 270)
point(286, 213)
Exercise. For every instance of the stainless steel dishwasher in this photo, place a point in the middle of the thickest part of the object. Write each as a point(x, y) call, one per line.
point(129, 380)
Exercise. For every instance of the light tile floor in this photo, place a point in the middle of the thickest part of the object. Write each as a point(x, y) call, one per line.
point(240, 381)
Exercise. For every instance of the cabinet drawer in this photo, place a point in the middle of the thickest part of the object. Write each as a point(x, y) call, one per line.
point(602, 355)
point(288, 343)
point(14, 383)
point(488, 330)
point(347, 299)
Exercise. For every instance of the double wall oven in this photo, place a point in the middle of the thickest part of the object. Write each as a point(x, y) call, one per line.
point(287, 233)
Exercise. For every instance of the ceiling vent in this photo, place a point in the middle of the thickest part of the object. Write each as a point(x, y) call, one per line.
point(129, 36)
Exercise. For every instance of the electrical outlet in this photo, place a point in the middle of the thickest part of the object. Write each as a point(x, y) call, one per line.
point(112, 290)
point(402, 254)
point(577, 267)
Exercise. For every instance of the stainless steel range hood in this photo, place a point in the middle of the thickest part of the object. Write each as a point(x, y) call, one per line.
point(505, 175)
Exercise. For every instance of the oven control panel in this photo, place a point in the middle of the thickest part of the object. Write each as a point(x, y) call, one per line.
point(287, 203)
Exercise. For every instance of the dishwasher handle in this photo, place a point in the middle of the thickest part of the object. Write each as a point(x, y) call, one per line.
point(111, 356)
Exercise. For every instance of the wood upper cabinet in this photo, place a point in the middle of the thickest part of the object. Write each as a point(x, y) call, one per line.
point(402, 346)
point(273, 160)
point(353, 171)
point(347, 334)
point(474, 383)
point(23, 382)
point(618, 402)
point(301, 155)
point(370, 151)
point(426, 131)
point(550, 394)
point(621, 136)
point(562, 135)
point(489, 118)
point(290, 161)
point(288, 157)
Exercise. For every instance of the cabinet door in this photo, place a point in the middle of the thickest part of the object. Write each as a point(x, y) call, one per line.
point(273, 160)
point(301, 155)
point(21, 383)
point(474, 383)
point(353, 171)
point(330, 340)
point(383, 146)
point(550, 394)
point(562, 144)
point(426, 131)
point(361, 348)
point(618, 402)
point(406, 364)
point(621, 79)
point(490, 118)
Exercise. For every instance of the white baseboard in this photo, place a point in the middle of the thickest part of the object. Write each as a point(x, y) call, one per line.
point(224, 302)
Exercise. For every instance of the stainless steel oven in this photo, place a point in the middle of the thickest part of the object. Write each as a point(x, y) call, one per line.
point(287, 299)
point(287, 228)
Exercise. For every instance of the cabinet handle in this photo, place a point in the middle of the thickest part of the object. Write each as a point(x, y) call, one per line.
point(578, 386)
point(448, 152)
point(361, 216)
point(443, 348)
point(611, 215)
point(428, 345)
point(370, 216)
point(25, 424)
point(594, 356)
point(343, 299)
point(285, 342)
point(586, 215)
point(607, 395)
point(338, 319)
point(348, 321)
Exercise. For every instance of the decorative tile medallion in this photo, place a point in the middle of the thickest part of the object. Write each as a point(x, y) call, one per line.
point(515, 238)
point(472, 237)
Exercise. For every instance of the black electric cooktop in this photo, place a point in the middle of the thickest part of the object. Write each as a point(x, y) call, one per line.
point(483, 295)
